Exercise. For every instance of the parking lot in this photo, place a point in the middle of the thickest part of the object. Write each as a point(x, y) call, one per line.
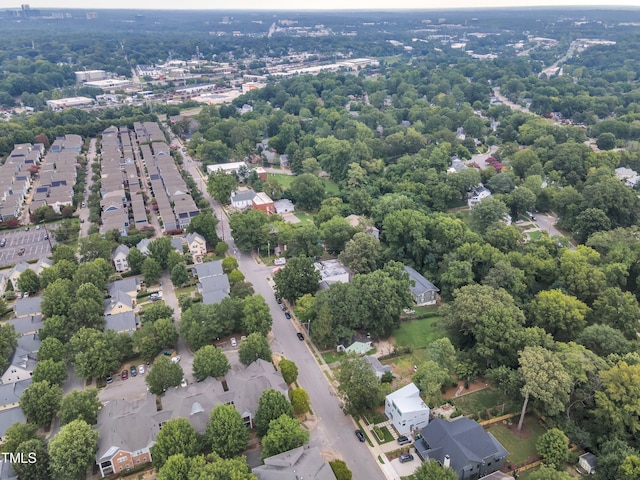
point(31, 243)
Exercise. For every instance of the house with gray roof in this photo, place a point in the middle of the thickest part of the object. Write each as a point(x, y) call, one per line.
point(27, 325)
point(27, 307)
point(463, 445)
point(214, 289)
point(422, 290)
point(378, 368)
point(128, 429)
point(208, 269)
point(242, 198)
point(122, 322)
point(302, 462)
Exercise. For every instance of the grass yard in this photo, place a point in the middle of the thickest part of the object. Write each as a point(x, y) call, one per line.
point(535, 235)
point(185, 290)
point(478, 401)
point(386, 435)
point(330, 186)
point(374, 417)
point(332, 357)
point(419, 333)
point(304, 217)
point(520, 446)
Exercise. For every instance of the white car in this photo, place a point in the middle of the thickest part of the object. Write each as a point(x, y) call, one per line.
point(141, 369)
point(183, 383)
point(234, 342)
point(175, 359)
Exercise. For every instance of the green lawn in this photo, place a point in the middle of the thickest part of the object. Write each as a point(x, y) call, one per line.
point(535, 235)
point(304, 217)
point(330, 186)
point(419, 333)
point(519, 448)
point(332, 357)
point(386, 436)
point(477, 401)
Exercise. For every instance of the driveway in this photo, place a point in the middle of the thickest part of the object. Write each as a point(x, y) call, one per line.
point(547, 223)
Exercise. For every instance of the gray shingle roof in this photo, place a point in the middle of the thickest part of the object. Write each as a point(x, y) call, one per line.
point(27, 306)
point(419, 284)
point(209, 269)
point(302, 462)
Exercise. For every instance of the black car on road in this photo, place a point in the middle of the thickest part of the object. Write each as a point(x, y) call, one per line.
point(360, 435)
point(300, 336)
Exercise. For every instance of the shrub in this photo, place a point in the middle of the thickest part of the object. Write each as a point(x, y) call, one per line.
point(387, 377)
point(340, 470)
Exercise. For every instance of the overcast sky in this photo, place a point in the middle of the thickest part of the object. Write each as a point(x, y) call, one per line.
point(297, 5)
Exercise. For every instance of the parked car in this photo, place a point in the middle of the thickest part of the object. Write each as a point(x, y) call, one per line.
point(407, 457)
point(279, 300)
point(37, 227)
point(300, 336)
point(287, 315)
point(183, 383)
point(283, 307)
point(21, 251)
point(46, 237)
point(3, 242)
point(134, 371)
point(234, 342)
point(403, 440)
point(26, 295)
point(141, 369)
point(109, 379)
point(175, 359)
point(124, 375)
point(360, 435)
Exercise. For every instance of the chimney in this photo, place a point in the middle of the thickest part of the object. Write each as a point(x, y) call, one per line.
point(447, 461)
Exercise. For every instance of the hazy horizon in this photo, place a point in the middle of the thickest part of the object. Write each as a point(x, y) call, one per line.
point(321, 6)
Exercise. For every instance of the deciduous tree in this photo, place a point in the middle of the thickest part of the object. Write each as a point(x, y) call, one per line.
point(210, 361)
point(358, 385)
point(561, 315)
point(72, 450)
point(54, 372)
point(257, 316)
point(545, 378)
point(307, 191)
point(361, 253)
point(176, 436)
point(80, 405)
point(40, 402)
point(284, 434)
point(205, 224)
point(28, 281)
point(226, 432)
point(164, 375)
point(300, 401)
point(36, 460)
point(253, 347)
point(432, 470)
point(289, 370)
point(220, 185)
point(271, 405)
point(553, 447)
point(297, 278)
point(151, 270)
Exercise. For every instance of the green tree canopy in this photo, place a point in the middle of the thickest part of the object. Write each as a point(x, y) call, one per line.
point(298, 277)
point(359, 386)
point(164, 375)
point(271, 405)
point(289, 370)
point(300, 401)
point(257, 316)
point(205, 224)
point(176, 436)
point(226, 432)
point(28, 281)
point(253, 347)
point(307, 191)
point(284, 434)
point(40, 402)
point(432, 470)
point(72, 450)
point(80, 405)
point(553, 448)
point(220, 185)
point(210, 361)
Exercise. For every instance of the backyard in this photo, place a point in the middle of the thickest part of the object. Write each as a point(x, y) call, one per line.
point(330, 187)
point(520, 445)
point(479, 401)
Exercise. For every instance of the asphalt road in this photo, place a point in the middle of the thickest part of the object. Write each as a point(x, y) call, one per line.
point(335, 430)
